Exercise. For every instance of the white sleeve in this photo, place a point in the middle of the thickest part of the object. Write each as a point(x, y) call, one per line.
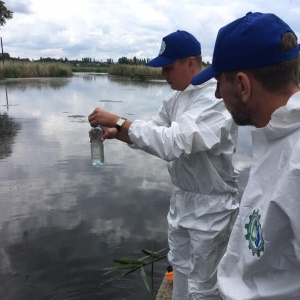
point(200, 127)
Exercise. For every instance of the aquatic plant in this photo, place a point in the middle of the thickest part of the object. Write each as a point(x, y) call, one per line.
point(90, 69)
point(13, 69)
point(132, 265)
point(136, 72)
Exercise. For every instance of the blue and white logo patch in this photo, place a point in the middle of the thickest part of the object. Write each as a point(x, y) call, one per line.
point(254, 234)
point(162, 48)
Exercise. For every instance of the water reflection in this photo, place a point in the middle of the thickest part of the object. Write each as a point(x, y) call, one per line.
point(62, 220)
point(8, 130)
point(35, 83)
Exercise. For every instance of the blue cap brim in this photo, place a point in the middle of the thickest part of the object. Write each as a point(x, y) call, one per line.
point(204, 75)
point(160, 61)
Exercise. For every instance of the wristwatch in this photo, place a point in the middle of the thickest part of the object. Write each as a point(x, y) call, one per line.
point(120, 123)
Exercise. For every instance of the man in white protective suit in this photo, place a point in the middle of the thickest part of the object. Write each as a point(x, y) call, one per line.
point(196, 135)
point(256, 63)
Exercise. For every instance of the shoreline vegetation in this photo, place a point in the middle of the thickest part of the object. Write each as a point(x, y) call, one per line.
point(21, 69)
point(135, 72)
point(27, 69)
point(11, 69)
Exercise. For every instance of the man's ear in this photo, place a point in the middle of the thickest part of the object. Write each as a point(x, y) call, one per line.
point(243, 86)
point(191, 61)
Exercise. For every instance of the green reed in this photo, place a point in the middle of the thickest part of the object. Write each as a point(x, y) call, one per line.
point(12, 69)
point(137, 72)
point(90, 69)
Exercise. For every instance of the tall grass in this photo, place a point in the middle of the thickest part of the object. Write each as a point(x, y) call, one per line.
point(93, 69)
point(138, 72)
point(11, 69)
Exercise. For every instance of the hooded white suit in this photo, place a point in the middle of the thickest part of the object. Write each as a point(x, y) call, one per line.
point(263, 256)
point(194, 132)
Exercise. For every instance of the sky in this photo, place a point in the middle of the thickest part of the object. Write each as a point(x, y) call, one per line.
point(110, 29)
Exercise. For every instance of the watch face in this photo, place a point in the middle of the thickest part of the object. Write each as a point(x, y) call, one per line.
point(120, 122)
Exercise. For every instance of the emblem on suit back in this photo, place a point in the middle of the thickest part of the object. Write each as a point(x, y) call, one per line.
point(254, 234)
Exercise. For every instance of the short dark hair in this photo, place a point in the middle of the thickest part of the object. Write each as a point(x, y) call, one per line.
point(198, 59)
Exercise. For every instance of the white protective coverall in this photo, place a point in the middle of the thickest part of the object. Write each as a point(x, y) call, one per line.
point(263, 256)
point(194, 132)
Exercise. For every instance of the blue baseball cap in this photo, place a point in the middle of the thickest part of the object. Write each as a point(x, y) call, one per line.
point(250, 42)
point(176, 45)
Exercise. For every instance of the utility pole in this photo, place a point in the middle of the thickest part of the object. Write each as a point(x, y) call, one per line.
point(2, 50)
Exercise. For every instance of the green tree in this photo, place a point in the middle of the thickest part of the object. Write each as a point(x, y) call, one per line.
point(5, 14)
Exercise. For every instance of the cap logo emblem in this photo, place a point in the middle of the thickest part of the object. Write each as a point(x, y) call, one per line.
point(162, 48)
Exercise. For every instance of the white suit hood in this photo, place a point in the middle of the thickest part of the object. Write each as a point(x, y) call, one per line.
point(284, 120)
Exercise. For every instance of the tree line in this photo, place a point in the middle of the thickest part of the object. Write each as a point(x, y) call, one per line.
point(85, 60)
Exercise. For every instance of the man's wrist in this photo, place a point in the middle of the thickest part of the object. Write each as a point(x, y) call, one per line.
point(120, 122)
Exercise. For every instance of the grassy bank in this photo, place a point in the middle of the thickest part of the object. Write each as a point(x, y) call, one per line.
point(135, 72)
point(90, 69)
point(12, 69)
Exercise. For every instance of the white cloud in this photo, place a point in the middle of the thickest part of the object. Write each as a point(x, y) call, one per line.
point(111, 29)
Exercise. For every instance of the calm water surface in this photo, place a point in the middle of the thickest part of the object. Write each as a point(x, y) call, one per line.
point(61, 219)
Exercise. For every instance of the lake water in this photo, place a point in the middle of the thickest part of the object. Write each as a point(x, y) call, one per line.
point(62, 221)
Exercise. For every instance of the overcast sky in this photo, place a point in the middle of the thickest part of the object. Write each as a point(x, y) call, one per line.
point(102, 29)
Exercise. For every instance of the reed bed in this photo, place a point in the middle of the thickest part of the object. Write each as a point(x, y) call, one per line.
point(12, 69)
point(90, 69)
point(138, 72)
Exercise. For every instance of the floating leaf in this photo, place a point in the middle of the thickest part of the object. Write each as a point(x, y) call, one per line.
point(151, 253)
point(119, 276)
point(144, 277)
point(128, 261)
point(132, 265)
point(120, 267)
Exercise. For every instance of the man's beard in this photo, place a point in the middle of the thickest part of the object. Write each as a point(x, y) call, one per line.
point(240, 114)
point(241, 119)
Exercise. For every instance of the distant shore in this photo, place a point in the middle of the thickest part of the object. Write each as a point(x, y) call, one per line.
point(13, 69)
